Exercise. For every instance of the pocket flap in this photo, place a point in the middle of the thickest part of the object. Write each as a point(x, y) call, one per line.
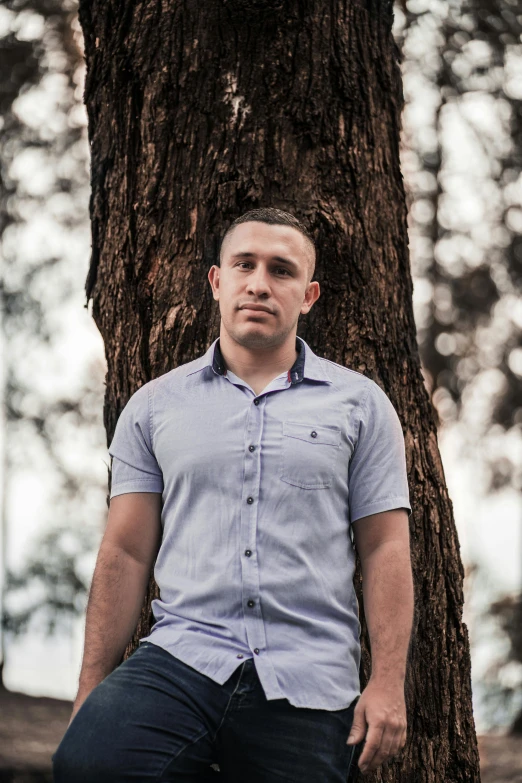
point(323, 434)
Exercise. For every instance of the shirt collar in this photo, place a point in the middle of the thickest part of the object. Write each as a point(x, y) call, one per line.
point(306, 365)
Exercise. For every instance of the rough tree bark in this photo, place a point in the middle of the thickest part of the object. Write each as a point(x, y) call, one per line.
point(198, 112)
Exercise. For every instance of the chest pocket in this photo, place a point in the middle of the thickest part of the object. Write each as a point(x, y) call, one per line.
point(309, 454)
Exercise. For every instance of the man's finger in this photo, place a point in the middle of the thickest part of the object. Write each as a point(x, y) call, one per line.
point(403, 738)
point(371, 746)
point(389, 746)
point(396, 745)
point(359, 727)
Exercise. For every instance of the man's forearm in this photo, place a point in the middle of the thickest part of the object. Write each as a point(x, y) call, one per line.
point(115, 601)
point(388, 606)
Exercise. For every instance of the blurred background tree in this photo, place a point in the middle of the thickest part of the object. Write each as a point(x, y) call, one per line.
point(53, 369)
point(461, 160)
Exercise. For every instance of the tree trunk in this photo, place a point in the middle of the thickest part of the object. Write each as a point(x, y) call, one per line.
point(199, 112)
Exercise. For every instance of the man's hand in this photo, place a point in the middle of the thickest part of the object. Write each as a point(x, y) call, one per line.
point(380, 716)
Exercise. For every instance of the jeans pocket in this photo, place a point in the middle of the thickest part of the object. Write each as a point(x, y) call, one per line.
point(353, 767)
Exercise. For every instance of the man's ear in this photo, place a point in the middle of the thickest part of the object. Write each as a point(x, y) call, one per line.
point(312, 295)
point(213, 276)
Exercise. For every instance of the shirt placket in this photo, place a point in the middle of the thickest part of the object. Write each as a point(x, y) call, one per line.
point(249, 517)
point(252, 599)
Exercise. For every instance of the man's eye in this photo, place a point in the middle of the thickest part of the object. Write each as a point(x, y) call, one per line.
point(282, 269)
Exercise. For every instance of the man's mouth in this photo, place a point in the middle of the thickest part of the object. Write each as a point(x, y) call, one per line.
point(256, 308)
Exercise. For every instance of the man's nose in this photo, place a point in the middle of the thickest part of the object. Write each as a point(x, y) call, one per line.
point(259, 281)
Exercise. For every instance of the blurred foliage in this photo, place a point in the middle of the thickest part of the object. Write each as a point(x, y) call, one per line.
point(462, 163)
point(53, 412)
point(58, 584)
point(508, 611)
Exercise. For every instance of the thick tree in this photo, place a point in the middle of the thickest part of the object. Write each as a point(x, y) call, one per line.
point(199, 112)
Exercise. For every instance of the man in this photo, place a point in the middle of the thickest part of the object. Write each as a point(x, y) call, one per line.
point(242, 471)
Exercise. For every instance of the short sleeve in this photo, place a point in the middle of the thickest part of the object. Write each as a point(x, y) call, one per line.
point(377, 474)
point(134, 465)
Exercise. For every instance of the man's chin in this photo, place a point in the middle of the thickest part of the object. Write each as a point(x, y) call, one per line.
point(256, 336)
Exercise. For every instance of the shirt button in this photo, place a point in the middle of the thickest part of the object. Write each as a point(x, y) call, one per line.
point(250, 500)
point(256, 402)
point(251, 448)
point(251, 603)
point(256, 650)
point(239, 655)
point(313, 434)
point(248, 552)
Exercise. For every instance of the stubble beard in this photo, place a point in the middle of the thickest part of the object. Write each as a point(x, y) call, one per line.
point(255, 339)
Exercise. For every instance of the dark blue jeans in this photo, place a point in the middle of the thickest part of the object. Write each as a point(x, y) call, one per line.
point(154, 718)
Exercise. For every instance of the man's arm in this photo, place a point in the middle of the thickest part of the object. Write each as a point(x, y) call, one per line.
point(129, 547)
point(383, 544)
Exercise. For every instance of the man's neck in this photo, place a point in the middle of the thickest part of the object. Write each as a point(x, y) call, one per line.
point(257, 365)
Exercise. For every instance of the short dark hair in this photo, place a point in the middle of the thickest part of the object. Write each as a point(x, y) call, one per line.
point(274, 217)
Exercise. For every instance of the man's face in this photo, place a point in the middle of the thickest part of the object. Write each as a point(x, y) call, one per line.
point(268, 266)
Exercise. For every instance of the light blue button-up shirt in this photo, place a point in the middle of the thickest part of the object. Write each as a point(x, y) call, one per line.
point(259, 491)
